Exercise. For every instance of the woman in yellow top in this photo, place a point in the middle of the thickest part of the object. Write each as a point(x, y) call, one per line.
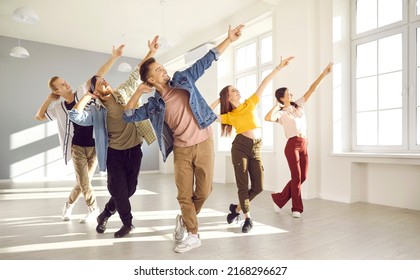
point(246, 147)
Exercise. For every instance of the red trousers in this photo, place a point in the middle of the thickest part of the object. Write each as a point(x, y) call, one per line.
point(297, 157)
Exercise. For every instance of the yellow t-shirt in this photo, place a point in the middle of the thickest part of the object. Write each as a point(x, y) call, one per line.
point(245, 117)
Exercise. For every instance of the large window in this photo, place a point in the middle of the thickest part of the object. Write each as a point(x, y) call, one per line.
point(253, 60)
point(386, 100)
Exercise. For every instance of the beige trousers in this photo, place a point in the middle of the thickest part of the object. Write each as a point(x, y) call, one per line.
point(84, 162)
point(194, 164)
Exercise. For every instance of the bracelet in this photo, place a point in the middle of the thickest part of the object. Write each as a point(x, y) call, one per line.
point(278, 68)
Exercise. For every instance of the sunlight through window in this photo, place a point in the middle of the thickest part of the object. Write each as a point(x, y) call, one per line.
point(32, 134)
point(372, 14)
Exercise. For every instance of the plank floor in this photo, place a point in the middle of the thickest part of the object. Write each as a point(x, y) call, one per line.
point(31, 227)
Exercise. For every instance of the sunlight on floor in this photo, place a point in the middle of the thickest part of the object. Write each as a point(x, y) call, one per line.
point(208, 230)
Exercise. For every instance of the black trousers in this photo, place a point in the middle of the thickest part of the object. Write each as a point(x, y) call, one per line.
point(123, 167)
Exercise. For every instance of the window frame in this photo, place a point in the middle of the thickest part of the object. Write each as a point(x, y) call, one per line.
point(408, 28)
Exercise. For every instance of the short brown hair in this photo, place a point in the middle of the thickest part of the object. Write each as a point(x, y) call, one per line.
point(144, 70)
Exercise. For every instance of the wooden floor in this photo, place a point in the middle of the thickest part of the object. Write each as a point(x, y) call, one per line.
point(31, 227)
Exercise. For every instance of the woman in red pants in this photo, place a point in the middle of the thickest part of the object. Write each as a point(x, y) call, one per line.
point(291, 114)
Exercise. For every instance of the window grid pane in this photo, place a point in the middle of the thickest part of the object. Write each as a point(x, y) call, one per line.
point(390, 54)
point(372, 14)
point(366, 15)
point(389, 11)
point(366, 94)
point(367, 59)
point(266, 50)
point(390, 90)
point(246, 57)
point(390, 127)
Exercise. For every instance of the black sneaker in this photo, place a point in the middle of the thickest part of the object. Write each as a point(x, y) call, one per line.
point(232, 215)
point(124, 230)
point(247, 225)
point(102, 220)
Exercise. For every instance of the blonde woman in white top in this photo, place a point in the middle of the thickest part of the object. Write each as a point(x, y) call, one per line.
point(292, 116)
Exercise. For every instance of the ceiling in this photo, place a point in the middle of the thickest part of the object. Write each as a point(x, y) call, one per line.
point(97, 25)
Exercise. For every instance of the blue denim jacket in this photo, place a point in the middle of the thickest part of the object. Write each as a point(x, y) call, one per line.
point(154, 109)
point(96, 115)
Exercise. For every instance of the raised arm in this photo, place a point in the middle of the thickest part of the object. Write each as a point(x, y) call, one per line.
point(134, 99)
point(271, 115)
point(269, 77)
point(214, 105)
point(116, 53)
point(80, 106)
point(232, 36)
point(153, 48)
point(318, 81)
point(128, 87)
point(40, 115)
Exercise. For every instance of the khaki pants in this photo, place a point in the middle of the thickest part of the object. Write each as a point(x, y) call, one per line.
point(84, 162)
point(193, 164)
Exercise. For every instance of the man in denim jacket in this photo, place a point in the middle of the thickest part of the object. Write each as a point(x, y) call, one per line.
point(181, 119)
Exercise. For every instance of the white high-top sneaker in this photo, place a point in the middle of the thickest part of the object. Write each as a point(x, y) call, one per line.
point(190, 242)
point(92, 214)
point(67, 208)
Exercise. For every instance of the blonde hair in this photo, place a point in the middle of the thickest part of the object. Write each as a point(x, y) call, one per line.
point(51, 81)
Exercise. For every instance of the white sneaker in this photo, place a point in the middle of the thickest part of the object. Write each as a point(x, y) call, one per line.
point(179, 229)
point(190, 242)
point(296, 214)
point(91, 215)
point(67, 208)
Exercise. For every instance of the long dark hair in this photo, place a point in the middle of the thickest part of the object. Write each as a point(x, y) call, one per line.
point(225, 107)
point(280, 94)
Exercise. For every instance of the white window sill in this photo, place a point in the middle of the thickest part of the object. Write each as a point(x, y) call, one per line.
point(389, 158)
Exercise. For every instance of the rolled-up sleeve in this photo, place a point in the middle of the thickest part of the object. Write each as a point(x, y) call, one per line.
point(135, 115)
point(81, 118)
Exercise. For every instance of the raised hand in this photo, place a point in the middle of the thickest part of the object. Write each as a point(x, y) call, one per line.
point(153, 45)
point(285, 62)
point(235, 33)
point(117, 52)
point(53, 96)
point(328, 69)
point(144, 88)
